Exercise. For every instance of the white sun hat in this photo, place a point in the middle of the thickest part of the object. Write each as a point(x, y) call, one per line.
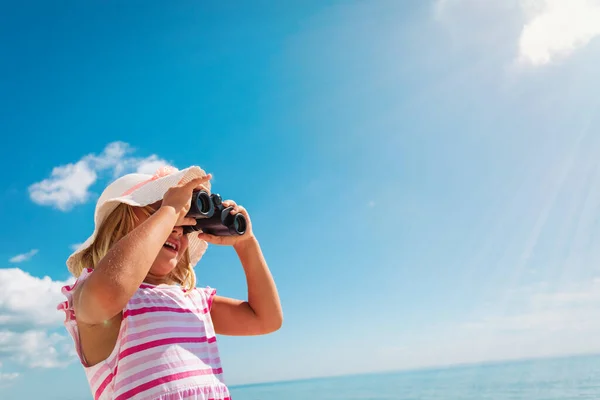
point(140, 190)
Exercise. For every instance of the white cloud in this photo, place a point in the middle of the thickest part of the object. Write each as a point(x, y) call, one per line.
point(37, 348)
point(149, 165)
point(28, 317)
point(23, 257)
point(69, 185)
point(556, 28)
point(28, 302)
point(113, 156)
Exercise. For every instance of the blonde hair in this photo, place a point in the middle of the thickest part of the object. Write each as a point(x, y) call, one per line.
point(119, 223)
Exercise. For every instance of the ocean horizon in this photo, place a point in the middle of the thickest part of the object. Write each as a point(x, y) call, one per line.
point(564, 377)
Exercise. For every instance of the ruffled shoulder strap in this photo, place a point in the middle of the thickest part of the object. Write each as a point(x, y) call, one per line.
point(67, 307)
point(207, 295)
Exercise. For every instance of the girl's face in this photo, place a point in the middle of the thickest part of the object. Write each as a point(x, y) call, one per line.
point(170, 253)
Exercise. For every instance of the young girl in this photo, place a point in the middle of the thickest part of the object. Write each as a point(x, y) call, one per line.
point(141, 327)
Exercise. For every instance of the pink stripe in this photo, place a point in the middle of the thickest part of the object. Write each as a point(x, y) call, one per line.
point(163, 301)
point(144, 286)
point(209, 356)
point(156, 318)
point(151, 300)
point(159, 381)
point(98, 374)
point(144, 310)
point(210, 295)
point(165, 368)
point(177, 396)
point(103, 386)
point(139, 185)
point(161, 342)
point(160, 173)
point(158, 331)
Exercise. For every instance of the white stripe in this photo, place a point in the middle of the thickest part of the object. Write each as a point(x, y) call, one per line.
point(137, 323)
point(197, 327)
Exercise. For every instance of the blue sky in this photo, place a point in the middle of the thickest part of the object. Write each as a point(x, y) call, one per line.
point(422, 175)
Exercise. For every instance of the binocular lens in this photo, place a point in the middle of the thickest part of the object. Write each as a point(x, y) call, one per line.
point(203, 202)
point(239, 224)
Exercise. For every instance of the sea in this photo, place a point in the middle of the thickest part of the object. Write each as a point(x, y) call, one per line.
point(566, 378)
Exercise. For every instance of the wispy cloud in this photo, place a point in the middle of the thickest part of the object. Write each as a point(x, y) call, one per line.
point(69, 184)
point(552, 29)
point(75, 246)
point(7, 377)
point(19, 258)
point(549, 311)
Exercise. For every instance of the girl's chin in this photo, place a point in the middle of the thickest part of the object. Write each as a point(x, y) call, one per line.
point(164, 268)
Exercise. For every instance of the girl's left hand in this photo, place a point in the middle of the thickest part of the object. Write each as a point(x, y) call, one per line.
point(234, 239)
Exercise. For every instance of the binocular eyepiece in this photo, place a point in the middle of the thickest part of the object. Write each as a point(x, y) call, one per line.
point(213, 217)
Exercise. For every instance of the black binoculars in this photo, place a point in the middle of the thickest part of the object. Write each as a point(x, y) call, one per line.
point(213, 217)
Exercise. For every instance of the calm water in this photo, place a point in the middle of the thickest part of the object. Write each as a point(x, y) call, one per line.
point(565, 379)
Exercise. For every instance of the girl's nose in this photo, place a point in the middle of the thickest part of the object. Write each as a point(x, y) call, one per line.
point(178, 230)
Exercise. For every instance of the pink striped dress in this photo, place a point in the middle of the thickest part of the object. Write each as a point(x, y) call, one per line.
point(166, 348)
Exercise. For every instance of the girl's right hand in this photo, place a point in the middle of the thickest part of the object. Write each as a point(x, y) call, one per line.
point(179, 197)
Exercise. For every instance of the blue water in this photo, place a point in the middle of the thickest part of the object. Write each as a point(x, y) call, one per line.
point(549, 379)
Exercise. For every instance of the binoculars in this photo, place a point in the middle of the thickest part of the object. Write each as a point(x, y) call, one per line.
point(213, 217)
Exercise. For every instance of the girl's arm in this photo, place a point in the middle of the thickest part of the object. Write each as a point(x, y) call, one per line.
point(261, 313)
point(124, 267)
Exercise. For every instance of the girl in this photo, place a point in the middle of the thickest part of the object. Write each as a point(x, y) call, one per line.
point(141, 327)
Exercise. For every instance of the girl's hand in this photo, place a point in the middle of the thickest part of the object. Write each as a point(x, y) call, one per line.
point(179, 197)
point(234, 239)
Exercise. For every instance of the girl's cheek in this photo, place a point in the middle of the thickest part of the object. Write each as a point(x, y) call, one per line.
point(184, 243)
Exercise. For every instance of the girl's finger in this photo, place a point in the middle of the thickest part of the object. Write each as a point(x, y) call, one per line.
point(210, 238)
point(241, 210)
point(197, 181)
point(188, 221)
